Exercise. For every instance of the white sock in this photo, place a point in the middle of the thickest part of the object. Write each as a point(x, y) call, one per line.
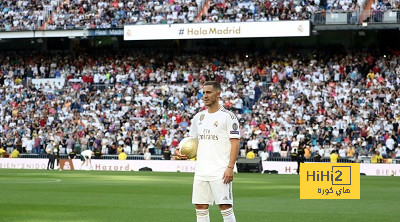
point(228, 215)
point(202, 215)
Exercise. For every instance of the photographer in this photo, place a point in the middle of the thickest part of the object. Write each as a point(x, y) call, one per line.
point(300, 153)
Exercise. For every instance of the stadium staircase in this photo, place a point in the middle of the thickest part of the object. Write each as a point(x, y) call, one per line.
point(366, 11)
point(50, 18)
point(203, 11)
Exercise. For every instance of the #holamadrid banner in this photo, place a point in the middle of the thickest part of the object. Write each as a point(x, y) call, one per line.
point(217, 30)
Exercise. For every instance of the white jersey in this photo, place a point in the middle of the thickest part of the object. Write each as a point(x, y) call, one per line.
point(87, 153)
point(214, 131)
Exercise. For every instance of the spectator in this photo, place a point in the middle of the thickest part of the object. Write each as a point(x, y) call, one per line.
point(97, 153)
point(147, 155)
point(72, 155)
point(307, 152)
point(120, 149)
point(253, 144)
point(363, 151)
point(284, 148)
point(264, 155)
point(15, 153)
point(2, 152)
point(56, 153)
point(342, 152)
point(10, 145)
point(250, 155)
point(29, 143)
point(51, 154)
point(135, 146)
point(167, 153)
point(356, 158)
point(276, 146)
point(70, 144)
point(376, 157)
point(122, 155)
point(334, 157)
point(317, 157)
point(397, 152)
point(350, 152)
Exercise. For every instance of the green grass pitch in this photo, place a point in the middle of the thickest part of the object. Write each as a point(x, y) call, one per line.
point(35, 195)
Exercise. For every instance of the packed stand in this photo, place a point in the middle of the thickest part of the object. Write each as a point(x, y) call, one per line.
point(248, 11)
point(116, 14)
point(273, 10)
point(25, 14)
point(142, 102)
point(342, 6)
point(97, 14)
point(378, 8)
point(384, 5)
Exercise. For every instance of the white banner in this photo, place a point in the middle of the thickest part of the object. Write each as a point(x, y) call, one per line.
point(43, 34)
point(16, 35)
point(60, 33)
point(135, 165)
point(217, 30)
point(368, 168)
point(177, 166)
point(22, 163)
point(380, 169)
point(103, 165)
point(281, 167)
point(52, 82)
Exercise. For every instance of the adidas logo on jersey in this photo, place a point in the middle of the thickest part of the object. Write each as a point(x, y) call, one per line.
point(225, 198)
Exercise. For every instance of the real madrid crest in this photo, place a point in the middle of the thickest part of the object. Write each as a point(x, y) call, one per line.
point(201, 117)
point(235, 126)
point(216, 124)
point(300, 28)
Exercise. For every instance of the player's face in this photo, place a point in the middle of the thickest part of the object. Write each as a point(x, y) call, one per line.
point(210, 96)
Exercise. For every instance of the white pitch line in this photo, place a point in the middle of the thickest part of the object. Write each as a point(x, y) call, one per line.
point(45, 181)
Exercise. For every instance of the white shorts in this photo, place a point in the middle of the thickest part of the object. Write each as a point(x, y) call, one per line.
point(208, 192)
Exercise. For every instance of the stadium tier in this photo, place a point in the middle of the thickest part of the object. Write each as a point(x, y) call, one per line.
point(81, 14)
point(218, 94)
point(70, 80)
point(142, 101)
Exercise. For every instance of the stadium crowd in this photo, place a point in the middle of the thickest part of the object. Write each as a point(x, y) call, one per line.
point(24, 14)
point(273, 10)
point(69, 14)
point(142, 102)
point(384, 5)
point(111, 14)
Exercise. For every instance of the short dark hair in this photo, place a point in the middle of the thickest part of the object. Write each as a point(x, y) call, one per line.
point(214, 84)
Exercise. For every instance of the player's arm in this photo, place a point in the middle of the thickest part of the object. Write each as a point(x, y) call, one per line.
point(234, 152)
point(228, 175)
point(234, 137)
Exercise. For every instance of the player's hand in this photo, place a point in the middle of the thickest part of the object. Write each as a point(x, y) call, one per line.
point(179, 154)
point(228, 175)
point(183, 156)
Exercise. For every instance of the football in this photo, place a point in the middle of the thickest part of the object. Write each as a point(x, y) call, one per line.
point(188, 147)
